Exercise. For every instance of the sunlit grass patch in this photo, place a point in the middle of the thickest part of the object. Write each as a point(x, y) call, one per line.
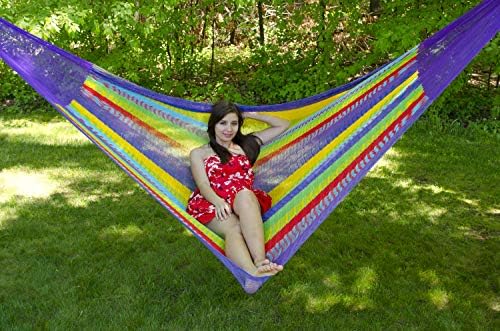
point(388, 163)
point(7, 214)
point(495, 304)
point(439, 298)
point(28, 184)
point(332, 281)
point(128, 233)
point(471, 233)
point(430, 212)
point(354, 292)
point(323, 303)
point(55, 132)
point(366, 280)
point(429, 276)
point(493, 211)
point(471, 202)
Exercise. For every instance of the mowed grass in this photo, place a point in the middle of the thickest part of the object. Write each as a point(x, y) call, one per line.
point(414, 246)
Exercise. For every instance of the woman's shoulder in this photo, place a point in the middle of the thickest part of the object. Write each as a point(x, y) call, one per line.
point(201, 152)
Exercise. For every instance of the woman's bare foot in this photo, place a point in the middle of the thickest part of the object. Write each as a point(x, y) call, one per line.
point(267, 268)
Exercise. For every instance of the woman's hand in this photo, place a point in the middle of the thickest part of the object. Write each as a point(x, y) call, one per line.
point(222, 210)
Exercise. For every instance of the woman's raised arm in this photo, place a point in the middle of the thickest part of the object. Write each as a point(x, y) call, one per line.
point(278, 126)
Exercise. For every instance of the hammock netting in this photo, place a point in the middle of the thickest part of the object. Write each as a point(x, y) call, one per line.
point(334, 139)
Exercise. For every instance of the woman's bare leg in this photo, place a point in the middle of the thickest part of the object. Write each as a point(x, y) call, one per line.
point(235, 247)
point(247, 207)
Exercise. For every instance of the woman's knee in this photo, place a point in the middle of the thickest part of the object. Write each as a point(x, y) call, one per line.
point(245, 199)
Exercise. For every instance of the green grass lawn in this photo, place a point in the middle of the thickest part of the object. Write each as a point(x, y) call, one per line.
point(414, 247)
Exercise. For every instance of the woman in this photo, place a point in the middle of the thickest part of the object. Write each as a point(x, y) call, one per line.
point(225, 200)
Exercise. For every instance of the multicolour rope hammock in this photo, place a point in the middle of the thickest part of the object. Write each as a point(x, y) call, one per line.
point(335, 137)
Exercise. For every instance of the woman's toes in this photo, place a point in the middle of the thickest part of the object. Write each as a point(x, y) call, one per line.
point(262, 262)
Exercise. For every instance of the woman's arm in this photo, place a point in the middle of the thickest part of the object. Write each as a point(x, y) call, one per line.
point(278, 126)
point(222, 208)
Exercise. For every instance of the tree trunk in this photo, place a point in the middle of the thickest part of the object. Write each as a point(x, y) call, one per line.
point(204, 28)
point(169, 55)
point(261, 22)
point(212, 60)
point(233, 25)
point(137, 16)
point(320, 41)
point(232, 36)
point(490, 72)
point(375, 7)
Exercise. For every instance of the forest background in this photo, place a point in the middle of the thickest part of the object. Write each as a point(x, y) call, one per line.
point(252, 52)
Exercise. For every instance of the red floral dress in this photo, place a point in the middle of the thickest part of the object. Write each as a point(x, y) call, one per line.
point(226, 180)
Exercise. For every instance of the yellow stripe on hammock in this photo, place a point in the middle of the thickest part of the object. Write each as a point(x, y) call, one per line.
point(284, 187)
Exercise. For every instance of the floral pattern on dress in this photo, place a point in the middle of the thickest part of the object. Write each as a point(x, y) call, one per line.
point(226, 180)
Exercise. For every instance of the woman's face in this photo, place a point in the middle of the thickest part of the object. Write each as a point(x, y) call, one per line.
point(226, 129)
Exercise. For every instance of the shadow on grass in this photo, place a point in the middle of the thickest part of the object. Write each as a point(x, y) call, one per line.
point(412, 246)
point(40, 156)
point(36, 116)
point(107, 252)
point(415, 242)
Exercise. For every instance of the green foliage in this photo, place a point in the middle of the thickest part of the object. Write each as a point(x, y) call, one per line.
point(16, 96)
point(310, 46)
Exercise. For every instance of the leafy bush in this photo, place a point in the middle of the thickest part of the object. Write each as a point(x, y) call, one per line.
point(206, 51)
